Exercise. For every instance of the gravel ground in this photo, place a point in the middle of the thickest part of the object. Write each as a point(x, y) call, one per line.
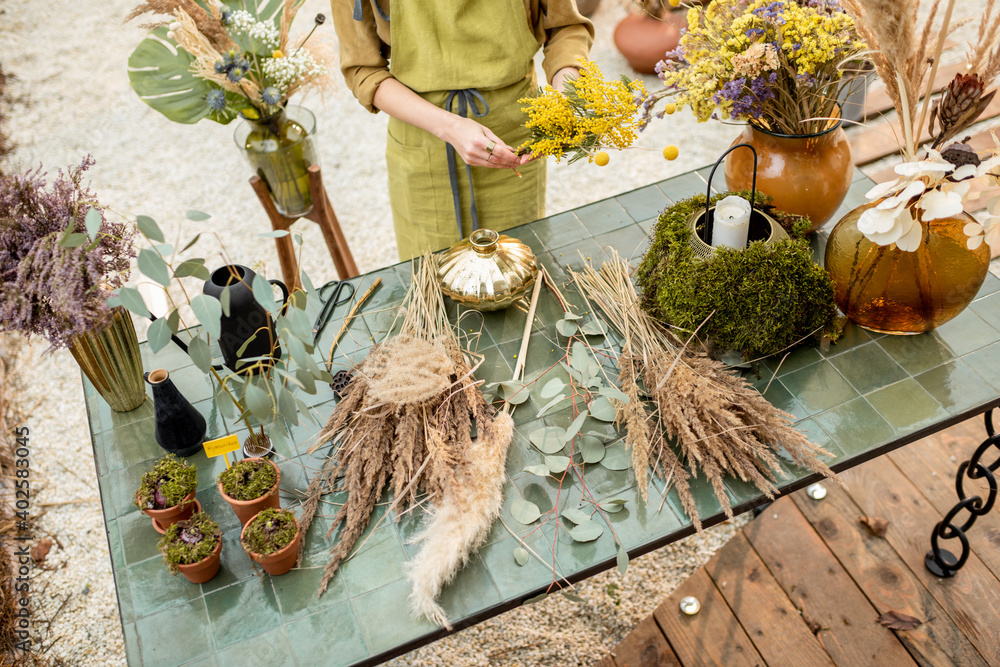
point(71, 97)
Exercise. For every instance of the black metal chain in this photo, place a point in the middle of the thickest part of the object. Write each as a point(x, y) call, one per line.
point(942, 562)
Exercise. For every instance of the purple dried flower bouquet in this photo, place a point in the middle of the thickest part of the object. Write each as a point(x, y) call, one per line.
point(59, 256)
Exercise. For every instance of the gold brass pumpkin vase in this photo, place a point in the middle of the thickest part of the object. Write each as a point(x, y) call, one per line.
point(487, 271)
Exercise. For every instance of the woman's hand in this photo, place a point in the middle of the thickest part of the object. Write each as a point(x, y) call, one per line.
point(478, 145)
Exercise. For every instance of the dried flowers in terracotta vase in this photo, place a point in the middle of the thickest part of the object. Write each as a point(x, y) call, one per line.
point(192, 547)
point(166, 493)
point(249, 486)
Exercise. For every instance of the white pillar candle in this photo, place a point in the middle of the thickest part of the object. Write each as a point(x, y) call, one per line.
point(732, 222)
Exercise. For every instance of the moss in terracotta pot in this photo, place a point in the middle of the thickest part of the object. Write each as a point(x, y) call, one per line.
point(167, 484)
point(188, 542)
point(269, 531)
point(248, 479)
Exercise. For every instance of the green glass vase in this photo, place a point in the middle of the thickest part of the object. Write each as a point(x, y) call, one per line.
point(280, 150)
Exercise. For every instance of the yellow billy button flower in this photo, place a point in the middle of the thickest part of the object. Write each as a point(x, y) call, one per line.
point(601, 159)
point(675, 3)
point(671, 152)
point(670, 108)
point(277, 54)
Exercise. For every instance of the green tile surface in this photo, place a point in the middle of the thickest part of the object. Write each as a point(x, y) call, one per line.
point(866, 392)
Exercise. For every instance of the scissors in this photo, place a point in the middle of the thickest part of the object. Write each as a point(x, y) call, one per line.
point(330, 304)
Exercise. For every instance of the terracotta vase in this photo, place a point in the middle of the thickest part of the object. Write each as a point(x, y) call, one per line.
point(807, 174)
point(282, 560)
point(644, 40)
point(891, 291)
point(205, 569)
point(248, 509)
point(182, 511)
point(111, 360)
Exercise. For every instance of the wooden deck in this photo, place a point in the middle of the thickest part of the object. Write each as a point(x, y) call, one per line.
point(804, 583)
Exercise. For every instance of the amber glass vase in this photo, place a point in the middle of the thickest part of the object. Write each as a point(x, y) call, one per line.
point(487, 271)
point(891, 291)
point(807, 174)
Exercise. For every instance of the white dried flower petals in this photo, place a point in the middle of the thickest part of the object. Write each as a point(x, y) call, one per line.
point(883, 189)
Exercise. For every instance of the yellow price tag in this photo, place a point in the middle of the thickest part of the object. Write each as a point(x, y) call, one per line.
point(223, 445)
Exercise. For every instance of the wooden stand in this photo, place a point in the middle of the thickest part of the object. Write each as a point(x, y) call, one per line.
point(322, 214)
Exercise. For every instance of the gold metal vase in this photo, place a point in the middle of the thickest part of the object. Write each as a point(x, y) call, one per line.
point(111, 360)
point(487, 271)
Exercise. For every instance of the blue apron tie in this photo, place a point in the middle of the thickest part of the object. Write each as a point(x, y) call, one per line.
point(358, 15)
point(467, 98)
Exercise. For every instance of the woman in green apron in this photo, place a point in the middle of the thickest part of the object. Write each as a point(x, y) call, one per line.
point(449, 73)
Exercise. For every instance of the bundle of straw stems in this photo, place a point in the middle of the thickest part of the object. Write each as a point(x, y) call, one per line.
point(720, 423)
point(404, 423)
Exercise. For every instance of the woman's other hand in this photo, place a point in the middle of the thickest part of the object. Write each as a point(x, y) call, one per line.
point(478, 145)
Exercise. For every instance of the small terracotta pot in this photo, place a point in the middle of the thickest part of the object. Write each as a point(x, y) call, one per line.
point(644, 40)
point(163, 519)
point(205, 569)
point(248, 509)
point(282, 560)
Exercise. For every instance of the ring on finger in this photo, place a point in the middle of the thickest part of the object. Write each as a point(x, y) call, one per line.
point(490, 146)
point(489, 157)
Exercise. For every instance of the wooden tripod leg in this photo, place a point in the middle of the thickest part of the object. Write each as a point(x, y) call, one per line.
point(286, 251)
point(323, 215)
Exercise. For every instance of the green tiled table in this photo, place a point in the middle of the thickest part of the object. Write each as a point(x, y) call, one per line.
point(867, 395)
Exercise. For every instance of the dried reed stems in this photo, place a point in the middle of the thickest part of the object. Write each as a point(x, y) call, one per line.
point(405, 423)
point(720, 423)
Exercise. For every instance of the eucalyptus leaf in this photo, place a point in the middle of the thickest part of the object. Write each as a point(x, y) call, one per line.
point(264, 294)
point(158, 334)
point(208, 310)
point(92, 221)
point(287, 407)
point(615, 394)
point(200, 354)
point(519, 398)
point(153, 267)
point(297, 238)
point(524, 511)
point(197, 216)
point(520, 555)
point(571, 316)
point(226, 407)
point(576, 515)
point(537, 598)
point(601, 408)
point(572, 597)
point(224, 298)
point(592, 449)
point(276, 234)
point(130, 298)
point(575, 427)
point(622, 560)
point(616, 457)
point(306, 381)
point(566, 328)
point(258, 402)
point(191, 242)
point(552, 388)
point(551, 404)
point(580, 357)
point(613, 505)
point(587, 531)
point(194, 268)
point(557, 464)
point(594, 328)
point(150, 229)
point(73, 240)
point(174, 320)
point(549, 439)
point(537, 469)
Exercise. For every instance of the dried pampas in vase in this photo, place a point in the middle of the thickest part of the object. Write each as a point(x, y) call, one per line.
point(720, 423)
point(405, 422)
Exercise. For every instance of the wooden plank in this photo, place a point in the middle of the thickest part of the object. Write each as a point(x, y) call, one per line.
point(877, 140)
point(931, 464)
point(831, 603)
point(711, 637)
point(770, 619)
point(645, 646)
point(886, 580)
point(969, 597)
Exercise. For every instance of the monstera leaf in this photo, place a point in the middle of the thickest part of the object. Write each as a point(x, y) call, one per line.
point(160, 72)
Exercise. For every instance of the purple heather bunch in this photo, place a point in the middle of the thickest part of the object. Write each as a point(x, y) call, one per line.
point(55, 275)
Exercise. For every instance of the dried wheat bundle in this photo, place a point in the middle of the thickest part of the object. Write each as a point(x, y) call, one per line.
point(405, 422)
point(720, 423)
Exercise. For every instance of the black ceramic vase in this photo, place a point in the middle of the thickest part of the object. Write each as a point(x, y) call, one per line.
point(246, 319)
point(180, 428)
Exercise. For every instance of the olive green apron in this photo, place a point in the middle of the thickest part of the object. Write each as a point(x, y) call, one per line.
point(474, 58)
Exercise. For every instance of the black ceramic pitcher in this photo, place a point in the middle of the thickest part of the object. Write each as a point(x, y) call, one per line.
point(178, 426)
point(246, 317)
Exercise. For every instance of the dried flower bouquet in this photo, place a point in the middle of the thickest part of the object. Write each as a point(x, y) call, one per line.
point(720, 423)
point(404, 423)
